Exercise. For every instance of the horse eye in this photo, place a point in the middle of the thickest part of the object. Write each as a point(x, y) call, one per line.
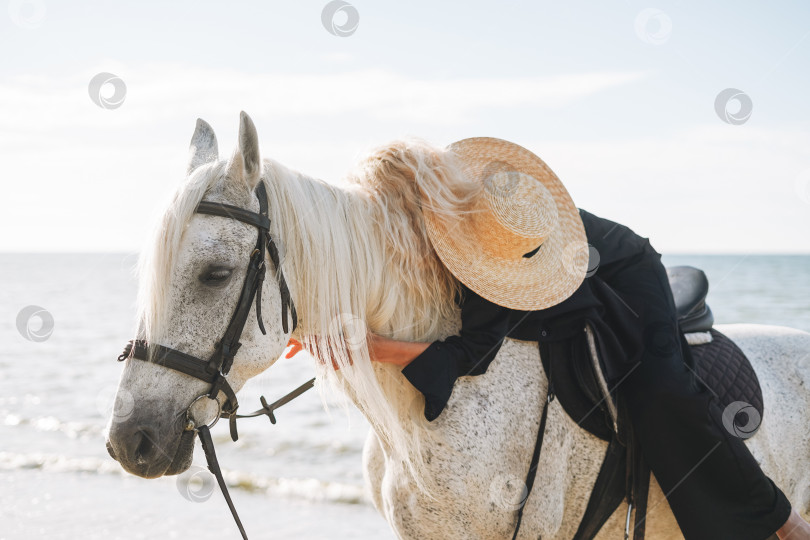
point(215, 275)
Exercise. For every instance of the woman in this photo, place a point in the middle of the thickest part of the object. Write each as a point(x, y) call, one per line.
point(519, 258)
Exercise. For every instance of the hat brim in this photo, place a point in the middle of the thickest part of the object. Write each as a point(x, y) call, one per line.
point(545, 279)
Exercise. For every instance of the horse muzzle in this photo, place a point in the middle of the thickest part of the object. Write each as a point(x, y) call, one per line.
point(150, 452)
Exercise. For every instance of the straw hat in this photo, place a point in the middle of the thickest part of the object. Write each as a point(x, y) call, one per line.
point(524, 245)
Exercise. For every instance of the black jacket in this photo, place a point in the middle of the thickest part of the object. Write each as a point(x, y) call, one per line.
point(714, 485)
point(605, 300)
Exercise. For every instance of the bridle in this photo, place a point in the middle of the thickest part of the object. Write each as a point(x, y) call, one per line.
point(215, 369)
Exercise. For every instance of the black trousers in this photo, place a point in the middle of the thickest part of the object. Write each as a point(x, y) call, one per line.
point(713, 484)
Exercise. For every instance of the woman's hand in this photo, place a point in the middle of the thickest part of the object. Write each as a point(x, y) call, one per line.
point(295, 347)
point(391, 351)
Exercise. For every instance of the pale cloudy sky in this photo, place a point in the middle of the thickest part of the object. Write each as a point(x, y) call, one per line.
point(618, 97)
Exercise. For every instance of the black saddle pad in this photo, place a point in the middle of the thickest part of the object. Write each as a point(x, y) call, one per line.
point(727, 372)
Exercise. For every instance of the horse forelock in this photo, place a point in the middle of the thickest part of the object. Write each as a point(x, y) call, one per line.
point(159, 255)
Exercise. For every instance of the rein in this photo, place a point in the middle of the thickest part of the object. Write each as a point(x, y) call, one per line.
point(215, 369)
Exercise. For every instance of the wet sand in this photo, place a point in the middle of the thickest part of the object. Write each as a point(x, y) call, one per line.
point(67, 506)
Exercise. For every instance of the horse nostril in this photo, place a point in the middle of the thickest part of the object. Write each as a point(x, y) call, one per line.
point(145, 446)
point(110, 450)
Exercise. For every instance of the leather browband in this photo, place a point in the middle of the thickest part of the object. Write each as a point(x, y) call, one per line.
point(234, 212)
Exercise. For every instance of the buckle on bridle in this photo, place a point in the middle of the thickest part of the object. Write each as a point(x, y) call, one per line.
point(190, 424)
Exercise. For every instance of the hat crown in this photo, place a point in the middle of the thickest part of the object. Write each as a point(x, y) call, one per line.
point(515, 248)
point(517, 214)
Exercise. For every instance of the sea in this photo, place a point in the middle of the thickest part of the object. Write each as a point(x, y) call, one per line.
point(64, 318)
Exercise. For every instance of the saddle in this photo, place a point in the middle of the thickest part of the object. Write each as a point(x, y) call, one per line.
point(581, 388)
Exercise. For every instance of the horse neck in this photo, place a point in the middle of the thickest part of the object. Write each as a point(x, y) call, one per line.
point(344, 258)
point(350, 270)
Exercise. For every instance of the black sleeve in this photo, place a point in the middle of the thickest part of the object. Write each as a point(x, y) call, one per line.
point(434, 372)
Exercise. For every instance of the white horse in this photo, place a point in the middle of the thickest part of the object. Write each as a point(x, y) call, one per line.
point(357, 258)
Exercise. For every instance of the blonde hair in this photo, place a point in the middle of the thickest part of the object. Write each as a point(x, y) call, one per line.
point(356, 258)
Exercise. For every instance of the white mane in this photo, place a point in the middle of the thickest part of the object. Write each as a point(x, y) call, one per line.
point(354, 257)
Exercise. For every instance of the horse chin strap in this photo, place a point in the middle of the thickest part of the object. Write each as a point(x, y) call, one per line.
point(215, 369)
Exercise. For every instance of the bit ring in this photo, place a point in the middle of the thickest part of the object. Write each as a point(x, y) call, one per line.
point(190, 424)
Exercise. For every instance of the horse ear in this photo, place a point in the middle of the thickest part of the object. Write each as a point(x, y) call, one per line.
point(203, 148)
point(249, 150)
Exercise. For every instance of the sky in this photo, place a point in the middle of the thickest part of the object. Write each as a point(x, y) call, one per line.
point(619, 98)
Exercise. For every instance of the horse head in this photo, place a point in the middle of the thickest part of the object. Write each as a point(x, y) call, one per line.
point(192, 281)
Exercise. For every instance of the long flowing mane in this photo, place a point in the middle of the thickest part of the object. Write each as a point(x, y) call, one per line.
point(357, 258)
